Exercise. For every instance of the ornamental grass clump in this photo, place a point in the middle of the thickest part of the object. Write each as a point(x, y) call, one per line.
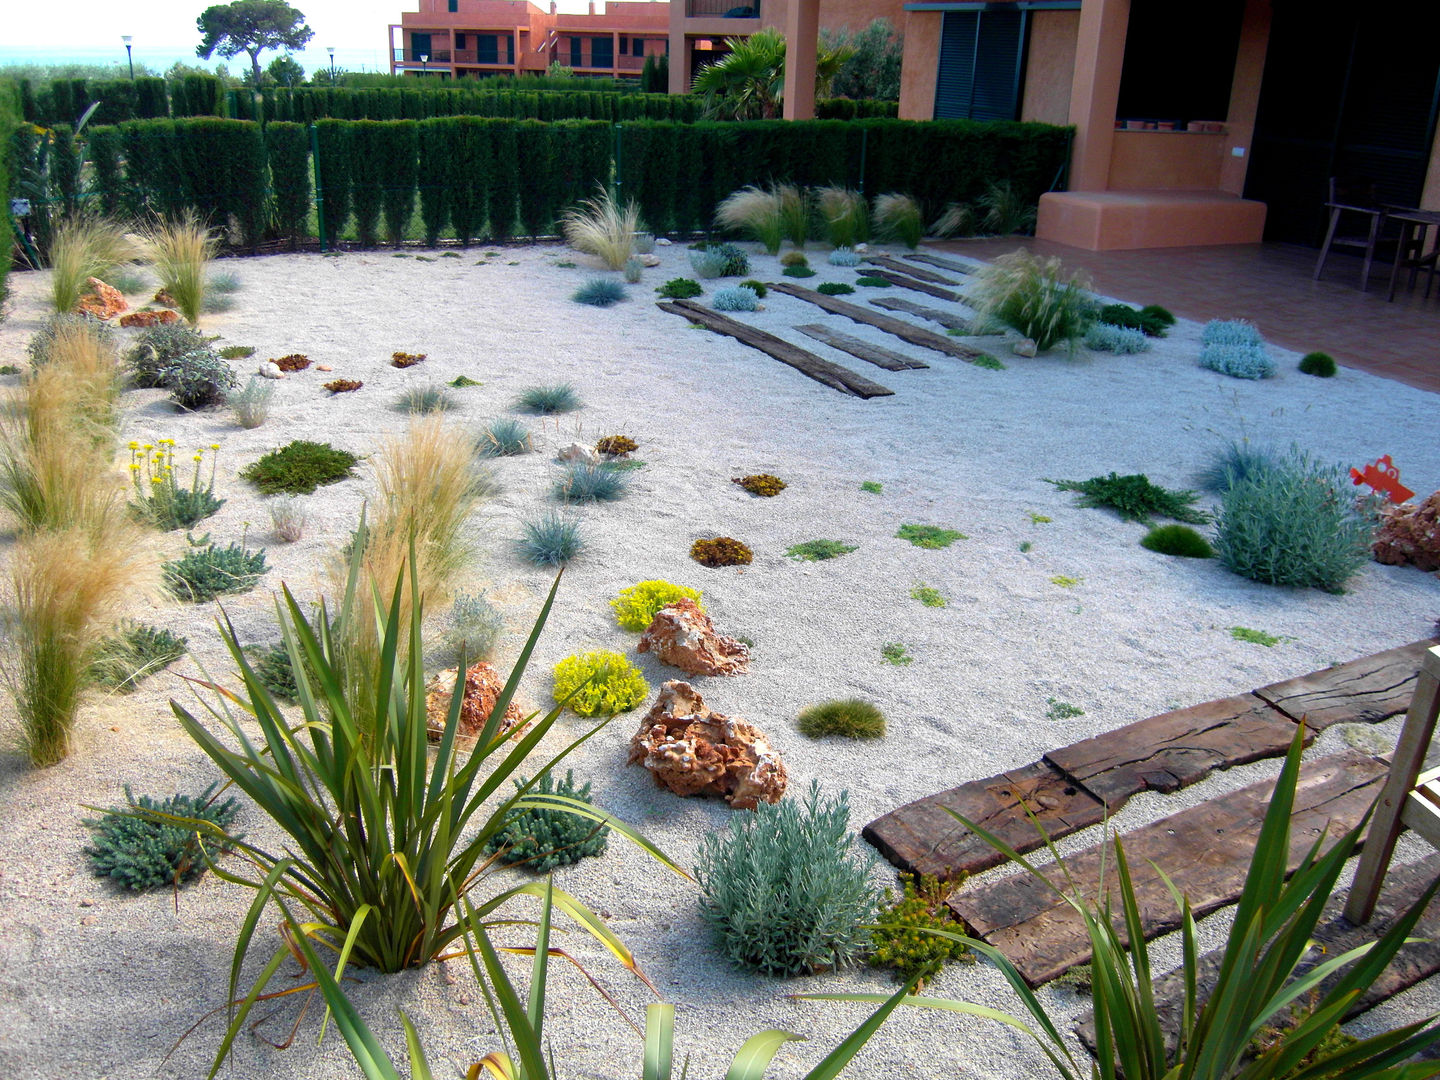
point(844, 215)
point(1135, 498)
point(503, 437)
point(600, 683)
point(251, 406)
point(299, 467)
point(580, 482)
point(180, 251)
point(81, 247)
point(852, 718)
point(541, 839)
point(59, 325)
point(1235, 462)
point(599, 292)
point(735, 298)
point(423, 400)
point(159, 499)
point(1037, 298)
point(133, 653)
point(1295, 524)
point(755, 212)
point(601, 227)
point(786, 892)
point(144, 846)
point(383, 855)
point(1004, 209)
point(794, 258)
point(547, 400)
point(633, 270)
point(550, 540)
point(637, 604)
point(897, 217)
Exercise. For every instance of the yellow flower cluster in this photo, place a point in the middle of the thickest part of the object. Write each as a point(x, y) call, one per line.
point(604, 683)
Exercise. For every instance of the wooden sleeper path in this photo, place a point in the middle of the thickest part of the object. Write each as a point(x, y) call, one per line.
point(898, 327)
point(802, 360)
point(950, 322)
point(907, 282)
point(942, 262)
point(875, 354)
point(912, 271)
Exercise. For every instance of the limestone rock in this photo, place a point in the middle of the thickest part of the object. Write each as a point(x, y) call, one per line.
point(683, 636)
point(323, 367)
point(576, 452)
point(102, 301)
point(270, 370)
point(660, 241)
point(1410, 534)
point(149, 317)
point(861, 248)
point(482, 687)
point(692, 750)
point(164, 299)
point(1024, 347)
point(649, 260)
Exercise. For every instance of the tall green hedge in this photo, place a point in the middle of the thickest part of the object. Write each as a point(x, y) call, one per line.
point(103, 148)
point(333, 137)
point(399, 148)
point(11, 116)
point(523, 100)
point(436, 145)
point(287, 148)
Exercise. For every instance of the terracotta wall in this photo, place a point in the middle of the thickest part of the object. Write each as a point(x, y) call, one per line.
point(1245, 95)
point(1050, 66)
point(1166, 161)
point(921, 64)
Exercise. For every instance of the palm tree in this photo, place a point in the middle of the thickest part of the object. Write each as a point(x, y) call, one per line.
point(747, 83)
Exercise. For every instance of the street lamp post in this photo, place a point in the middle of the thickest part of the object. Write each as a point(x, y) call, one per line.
point(331, 50)
point(424, 64)
point(129, 59)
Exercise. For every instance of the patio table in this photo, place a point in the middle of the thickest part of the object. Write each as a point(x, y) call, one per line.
point(1410, 249)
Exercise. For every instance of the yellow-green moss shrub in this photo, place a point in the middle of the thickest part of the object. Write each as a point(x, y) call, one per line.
point(606, 682)
point(636, 606)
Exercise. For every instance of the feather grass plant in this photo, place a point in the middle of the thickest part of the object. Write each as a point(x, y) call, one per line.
point(844, 214)
point(600, 226)
point(180, 250)
point(757, 212)
point(898, 217)
point(1035, 297)
point(84, 246)
point(794, 213)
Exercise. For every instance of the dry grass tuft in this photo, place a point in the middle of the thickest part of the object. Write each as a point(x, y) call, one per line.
point(83, 247)
point(756, 212)
point(181, 251)
point(600, 226)
point(846, 217)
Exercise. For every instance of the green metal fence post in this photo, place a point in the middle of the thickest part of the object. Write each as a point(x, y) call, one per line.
point(319, 191)
point(618, 173)
point(864, 140)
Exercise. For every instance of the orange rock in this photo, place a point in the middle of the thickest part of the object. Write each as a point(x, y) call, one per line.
point(1410, 534)
point(482, 687)
point(102, 301)
point(683, 636)
point(164, 299)
point(693, 750)
point(149, 317)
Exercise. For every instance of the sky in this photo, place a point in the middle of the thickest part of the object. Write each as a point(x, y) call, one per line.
point(164, 31)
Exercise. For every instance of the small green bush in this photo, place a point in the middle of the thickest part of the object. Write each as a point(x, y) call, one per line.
point(43, 340)
point(1321, 365)
point(143, 853)
point(156, 349)
point(834, 288)
point(1106, 337)
point(135, 652)
point(799, 271)
point(929, 536)
point(299, 467)
point(604, 683)
point(542, 839)
point(198, 379)
point(708, 264)
point(759, 288)
point(633, 270)
point(214, 571)
point(637, 604)
point(736, 298)
point(1293, 525)
point(550, 540)
point(794, 258)
point(680, 288)
point(599, 292)
point(1127, 318)
point(874, 487)
point(591, 483)
point(1158, 314)
point(896, 652)
point(546, 400)
point(990, 363)
point(463, 382)
point(815, 550)
point(844, 256)
point(927, 595)
point(273, 668)
point(852, 718)
point(1062, 710)
point(1179, 540)
point(873, 282)
point(1135, 498)
point(1254, 637)
point(503, 437)
point(737, 263)
point(898, 940)
point(1238, 361)
point(251, 406)
point(785, 890)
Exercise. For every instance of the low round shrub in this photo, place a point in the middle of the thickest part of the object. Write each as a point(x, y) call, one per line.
point(542, 839)
point(844, 256)
point(550, 540)
point(708, 264)
point(212, 571)
point(735, 298)
point(1158, 314)
point(721, 551)
point(157, 348)
point(899, 943)
point(835, 288)
point(794, 258)
point(614, 445)
point(1321, 365)
point(603, 683)
point(1250, 361)
point(799, 270)
point(299, 467)
point(680, 288)
point(198, 379)
point(1107, 337)
point(873, 282)
point(759, 288)
point(1179, 540)
point(1151, 321)
point(142, 853)
point(785, 890)
point(762, 484)
point(599, 292)
point(637, 604)
point(852, 718)
point(1230, 332)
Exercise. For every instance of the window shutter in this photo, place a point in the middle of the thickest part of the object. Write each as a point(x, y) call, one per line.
point(981, 57)
point(955, 85)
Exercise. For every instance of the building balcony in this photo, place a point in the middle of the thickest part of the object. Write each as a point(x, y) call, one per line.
point(722, 9)
point(410, 56)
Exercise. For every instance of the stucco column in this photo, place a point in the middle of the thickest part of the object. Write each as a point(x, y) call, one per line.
point(1245, 94)
point(1095, 93)
point(802, 32)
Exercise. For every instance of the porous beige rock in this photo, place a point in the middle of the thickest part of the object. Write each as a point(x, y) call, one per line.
point(683, 636)
point(576, 452)
point(1024, 347)
point(149, 317)
point(270, 370)
point(693, 750)
point(649, 260)
point(102, 301)
point(1410, 534)
point(482, 687)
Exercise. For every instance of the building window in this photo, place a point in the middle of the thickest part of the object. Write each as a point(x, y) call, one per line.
point(510, 48)
point(420, 46)
point(982, 55)
point(577, 58)
point(487, 51)
point(602, 52)
point(459, 41)
point(1160, 82)
point(454, 5)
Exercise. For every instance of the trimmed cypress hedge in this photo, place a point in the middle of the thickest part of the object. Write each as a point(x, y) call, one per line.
point(103, 145)
point(367, 179)
point(288, 148)
point(335, 175)
point(436, 145)
point(399, 148)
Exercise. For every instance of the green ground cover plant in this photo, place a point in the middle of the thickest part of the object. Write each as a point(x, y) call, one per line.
point(872, 282)
point(680, 289)
point(637, 604)
point(1065, 581)
point(818, 550)
point(205, 573)
point(275, 671)
point(133, 653)
point(873, 487)
point(897, 653)
point(1179, 540)
point(802, 271)
point(1061, 710)
point(1254, 637)
point(143, 845)
point(599, 683)
point(236, 352)
point(929, 536)
point(462, 382)
point(542, 838)
point(1135, 498)
point(899, 940)
point(927, 595)
point(834, 288)
point(299, 467)
point(851, 717)
point(785, 890)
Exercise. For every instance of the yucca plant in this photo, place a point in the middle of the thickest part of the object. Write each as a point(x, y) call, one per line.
point(898, 217)
point(84, 246)
point(1256, 986)
point(602, 227)
point(1035, 297)
point(384, 852)
point(180, 251)
point(846, 217)
point(756, 212)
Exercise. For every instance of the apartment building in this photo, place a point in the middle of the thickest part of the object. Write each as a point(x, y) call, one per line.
point(474, 38)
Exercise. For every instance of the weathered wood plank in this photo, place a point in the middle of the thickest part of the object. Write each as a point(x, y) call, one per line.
point(803, 361)
point(921, 838)
point(899, 327)
point(1175, 749)
point(907, 282)
point(941, 261)
point(896, 303)
point(880, 357)
point(1334, 935)
point(1365, 691)
point(1206, 850)
point(913, 271)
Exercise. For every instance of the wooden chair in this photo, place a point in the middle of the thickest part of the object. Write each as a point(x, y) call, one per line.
point(1354, 204)
point(1409, 796)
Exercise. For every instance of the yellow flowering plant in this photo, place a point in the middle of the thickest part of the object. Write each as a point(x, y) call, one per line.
point(159, 497)
point(600, 683)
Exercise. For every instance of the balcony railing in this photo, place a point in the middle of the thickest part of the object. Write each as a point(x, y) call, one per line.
point(411, 56)
point(722, 9)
